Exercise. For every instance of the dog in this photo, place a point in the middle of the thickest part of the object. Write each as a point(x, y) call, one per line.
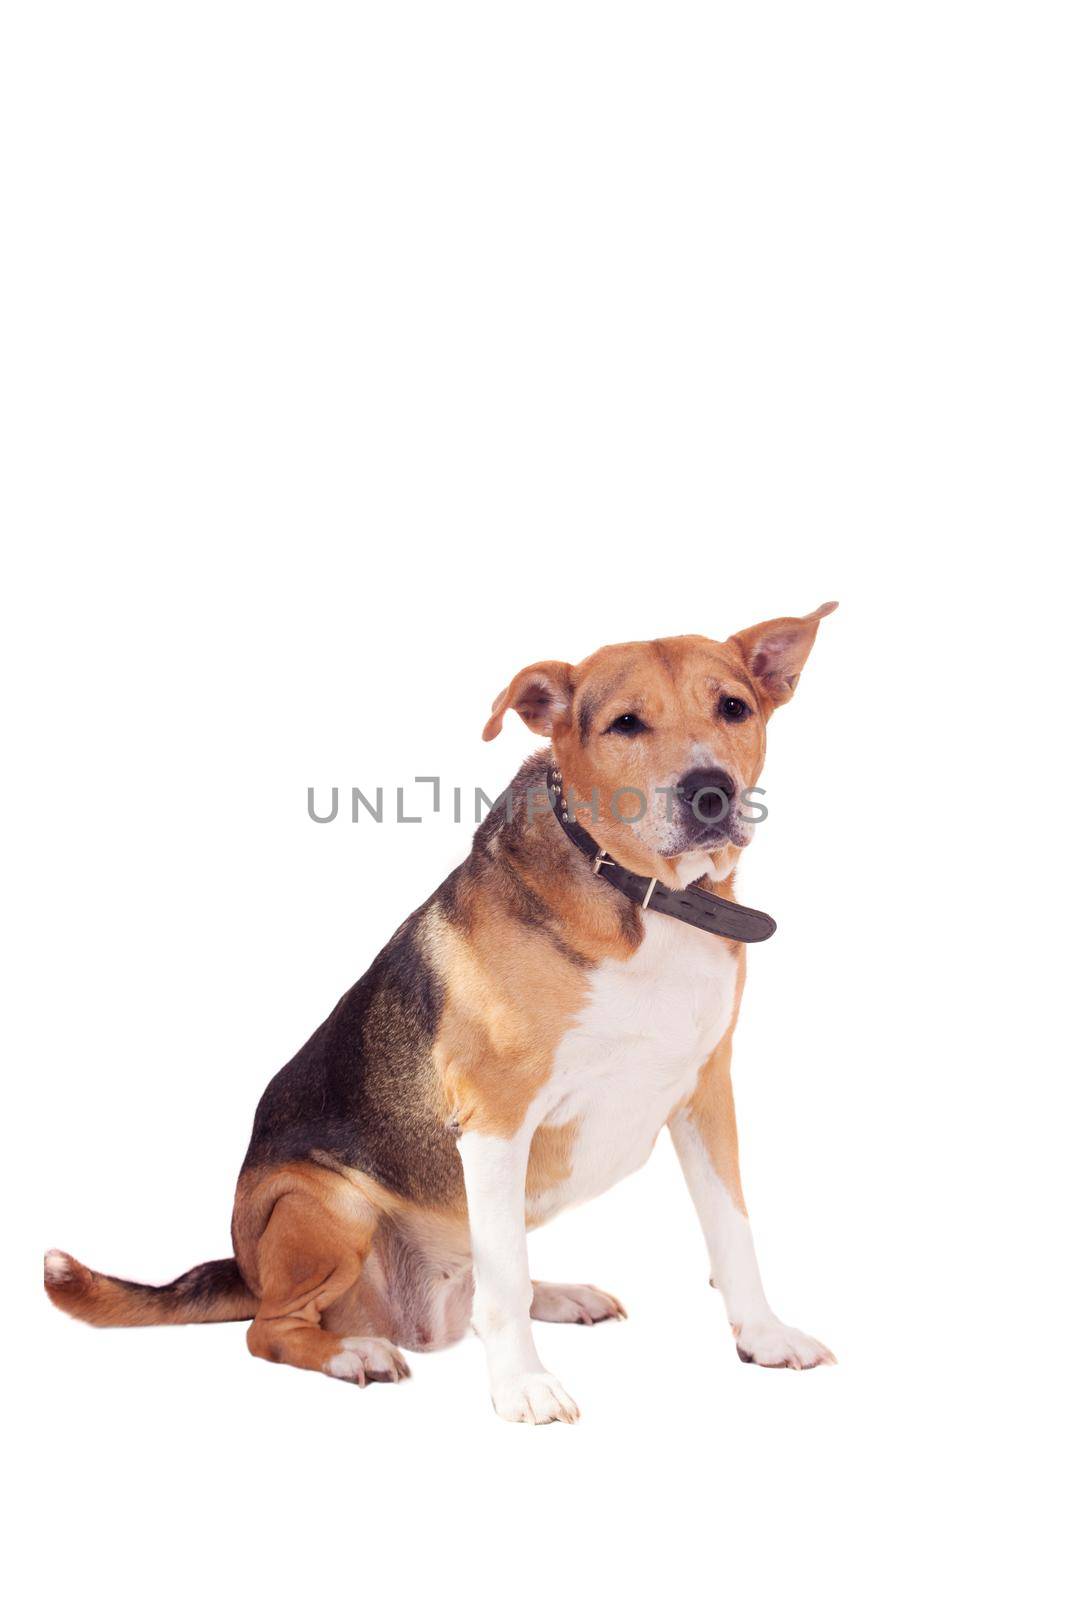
point(517, 1047)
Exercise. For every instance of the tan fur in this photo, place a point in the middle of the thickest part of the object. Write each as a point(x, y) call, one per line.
point(316, 1231)
point(594, 930)
point(499, 1032)
point(550, 1157)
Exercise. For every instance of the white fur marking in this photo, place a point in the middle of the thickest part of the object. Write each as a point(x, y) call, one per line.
point(761, 1336)
point(58, 1267)
point(362, 1360)
point(634, 1053)
point(494, 1174)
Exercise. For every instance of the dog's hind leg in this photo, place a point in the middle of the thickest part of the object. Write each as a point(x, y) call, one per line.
point(319, 1227)
point(573, 1302)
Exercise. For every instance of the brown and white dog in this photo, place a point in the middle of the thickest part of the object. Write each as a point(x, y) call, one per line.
point(516, 1048)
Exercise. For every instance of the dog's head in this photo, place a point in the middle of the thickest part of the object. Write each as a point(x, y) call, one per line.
point(659, 741)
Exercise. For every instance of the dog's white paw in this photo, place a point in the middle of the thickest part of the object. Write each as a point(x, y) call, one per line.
point(772, 1344)
point(366, 1361)
point(573, 1302)
point(533, 1397)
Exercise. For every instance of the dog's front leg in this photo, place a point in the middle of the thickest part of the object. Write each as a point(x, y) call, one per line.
point(705, 1136)
point(494, 1173)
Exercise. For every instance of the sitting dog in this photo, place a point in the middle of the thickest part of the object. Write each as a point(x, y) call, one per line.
point(517, 1047)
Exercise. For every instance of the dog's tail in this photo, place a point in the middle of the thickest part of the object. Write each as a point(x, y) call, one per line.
point(213, 1292)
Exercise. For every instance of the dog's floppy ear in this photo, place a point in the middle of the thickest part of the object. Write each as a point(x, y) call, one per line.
point(775, 652)
point(541, 694)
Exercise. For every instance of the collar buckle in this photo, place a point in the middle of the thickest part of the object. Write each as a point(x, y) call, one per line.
point(602, 860)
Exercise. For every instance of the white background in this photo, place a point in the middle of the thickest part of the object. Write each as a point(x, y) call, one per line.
point(358, 355)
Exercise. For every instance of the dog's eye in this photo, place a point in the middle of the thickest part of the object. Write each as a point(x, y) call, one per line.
point(629, 722)
point(733, 709)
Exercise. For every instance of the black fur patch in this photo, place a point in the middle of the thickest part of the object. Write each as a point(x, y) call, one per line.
point(359, 1093)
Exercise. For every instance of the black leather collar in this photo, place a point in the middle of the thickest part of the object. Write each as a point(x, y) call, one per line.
point(696, 906)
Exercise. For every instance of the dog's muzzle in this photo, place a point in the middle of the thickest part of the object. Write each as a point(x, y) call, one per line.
point(705, 798)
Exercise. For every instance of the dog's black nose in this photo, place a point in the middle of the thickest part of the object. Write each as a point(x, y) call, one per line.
point(707, 791)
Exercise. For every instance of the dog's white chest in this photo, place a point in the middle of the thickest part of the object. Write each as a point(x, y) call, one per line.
point(634, 1052)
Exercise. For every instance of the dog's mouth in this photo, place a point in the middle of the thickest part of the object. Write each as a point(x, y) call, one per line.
point(702, 813)
point(731, 829)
